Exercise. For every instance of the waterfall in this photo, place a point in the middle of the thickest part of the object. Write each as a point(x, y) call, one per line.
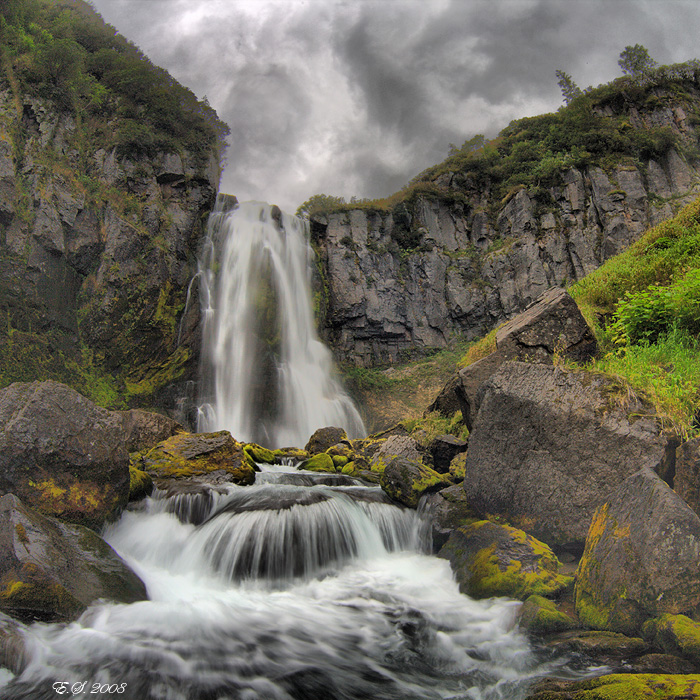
point(267, 378)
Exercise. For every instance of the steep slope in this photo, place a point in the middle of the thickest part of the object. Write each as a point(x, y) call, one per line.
point(108, 169)
point(473, 241)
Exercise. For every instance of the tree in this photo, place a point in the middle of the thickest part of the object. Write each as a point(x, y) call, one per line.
point(569, 90)
point(635, 60)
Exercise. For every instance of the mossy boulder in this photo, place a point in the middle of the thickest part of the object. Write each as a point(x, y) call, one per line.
point(600, 648)
point(675, 634)
point(323, 438)
point(140, 483)
point(540, 616)
point(491, 560)
point(458, 467)
point(321, 462)
point(62, 454)
point(406, 481)
point(289, 454)
point(641, 558)
point(260, 455)
point(200, 455)
point(50, 570)
point(620, 686)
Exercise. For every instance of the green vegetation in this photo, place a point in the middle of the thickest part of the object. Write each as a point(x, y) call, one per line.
point(644, 306)
point(63, 51)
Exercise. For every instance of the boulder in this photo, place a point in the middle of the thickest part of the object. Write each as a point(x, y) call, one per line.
point(443, 449)
point(399, 446)
point(144, 429)
point(62, 454)
point(549, 446)
point(490, 560)
point(686, 481)
point(406, 481)
point(641, 557)
point(50, 570)
point(324, 438)
point(675, 634)
point(540, 617)
point(552, 326)
point(215, 457)
point(320, 462)
point(446, 510)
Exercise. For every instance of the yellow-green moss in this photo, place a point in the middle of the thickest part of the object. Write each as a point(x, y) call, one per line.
point(627, 686)
point(140, 483)
point(320, 462)
point(540, 616)
point(348, 469)
point(675, 634)
point(293, 453)
point(259, 454)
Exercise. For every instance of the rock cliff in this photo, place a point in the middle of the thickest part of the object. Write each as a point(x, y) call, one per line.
point(97, 249)
point(455, 257)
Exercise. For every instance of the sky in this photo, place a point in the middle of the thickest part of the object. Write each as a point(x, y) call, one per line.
point(356, 97)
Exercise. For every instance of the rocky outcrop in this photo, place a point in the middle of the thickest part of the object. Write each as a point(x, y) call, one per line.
point(490, 560)
point(549, 446)
point(452, 260)
point(552, 327)
point(686, 480)
point(641, 557)
point(97, 250)
point(62, 454)
point(209, 457)
point(51, 570)
point(323, 438)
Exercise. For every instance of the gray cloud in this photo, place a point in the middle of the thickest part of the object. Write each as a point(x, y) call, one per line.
point(355, 98)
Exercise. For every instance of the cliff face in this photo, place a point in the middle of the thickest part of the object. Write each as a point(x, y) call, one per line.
point(474, 261)
point(96, 254)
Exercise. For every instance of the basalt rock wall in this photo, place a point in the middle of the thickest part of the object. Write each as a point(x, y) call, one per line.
point(457, 262)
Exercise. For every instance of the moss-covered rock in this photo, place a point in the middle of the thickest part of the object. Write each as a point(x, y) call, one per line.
point(675, 634)
point(497, 560)
point(321, 462)
point(540, 616)
point(458, 468)
point(324, 438)
point(259, 454)
point(604, 648)
point(620, 686)
point(641, 558)
point(51, 570)
point(290, 454)
point(199, 454)
point(140, 483)
point(406, 481)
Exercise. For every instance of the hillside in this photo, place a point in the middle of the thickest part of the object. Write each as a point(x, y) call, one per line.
point(474, 240)
point(108, 170)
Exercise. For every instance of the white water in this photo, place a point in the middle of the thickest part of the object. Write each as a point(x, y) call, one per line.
point(364, 614)
point(272, 380)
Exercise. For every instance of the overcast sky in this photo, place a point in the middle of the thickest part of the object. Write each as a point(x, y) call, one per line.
point(355, 97)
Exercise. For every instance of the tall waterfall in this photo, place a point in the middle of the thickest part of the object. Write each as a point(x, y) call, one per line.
point(267, 377)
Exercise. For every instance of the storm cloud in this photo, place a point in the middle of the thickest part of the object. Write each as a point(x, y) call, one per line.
point(355, 97)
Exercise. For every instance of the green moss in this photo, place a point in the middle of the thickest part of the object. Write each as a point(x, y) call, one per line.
point(624, 686)
point(140, 483)
point(319, 463)
point(259, 454)
point(540, 616)
point(293, 453)
point(675, 634)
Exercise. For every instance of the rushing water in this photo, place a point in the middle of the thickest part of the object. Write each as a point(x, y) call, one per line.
point(285, 590)
point(268, 378)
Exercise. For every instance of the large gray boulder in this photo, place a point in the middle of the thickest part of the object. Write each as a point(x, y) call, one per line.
point(62, 454)
point(51, 570)
point(144, 429)
point(552, 326)
point(641, 557)
point(686, 481)
point(549, 446)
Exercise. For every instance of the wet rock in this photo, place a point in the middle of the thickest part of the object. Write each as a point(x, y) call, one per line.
point(324, 438)
point(600, 648)
point(321, 462)
point(618, 685)
point(540, 617)
point(549, 446)
point(62, 454)
point(675, 634)
point(144, 429)
point(51, 570)
point(641, 557)
point(260, 455)
point(446, 510)
point(406, 481)
point(188, 455)
point(498, 560)
point(140, 483)
point(443, 449)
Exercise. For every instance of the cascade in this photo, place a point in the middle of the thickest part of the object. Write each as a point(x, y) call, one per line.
point(295, 587)
point(267, 378)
